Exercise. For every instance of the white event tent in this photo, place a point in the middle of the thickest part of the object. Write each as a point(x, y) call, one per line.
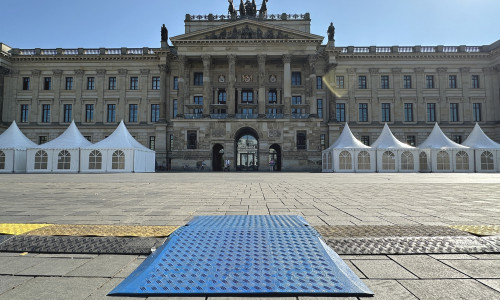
point(440, 154)
point(119, 152)
point(13, 144)
point(348, 154)
point(61, 155)
point(487, 152)
point(394, 155)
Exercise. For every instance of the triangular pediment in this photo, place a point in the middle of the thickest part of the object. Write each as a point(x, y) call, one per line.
point(246, 30)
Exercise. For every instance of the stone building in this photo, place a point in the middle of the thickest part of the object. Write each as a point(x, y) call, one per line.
point(250, 87)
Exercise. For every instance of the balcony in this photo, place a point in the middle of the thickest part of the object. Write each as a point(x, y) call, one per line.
point(274, 116)
point(300, 116)
point(218, 116)
point(246, 116)
point(193, 116)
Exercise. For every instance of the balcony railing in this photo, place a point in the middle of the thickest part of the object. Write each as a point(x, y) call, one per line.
point(274, 116)
point(193, 116)
point(218, 116)
point(246, 116)
point(300, 116)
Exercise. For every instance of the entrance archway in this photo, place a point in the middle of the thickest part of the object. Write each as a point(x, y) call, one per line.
point(275, 156)
point(247, 149)
point(217, 157)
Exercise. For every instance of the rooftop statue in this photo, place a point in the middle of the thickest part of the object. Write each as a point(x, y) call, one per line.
point(164, 33)
point(242, 9)
point(263, 8)
point(331, 32)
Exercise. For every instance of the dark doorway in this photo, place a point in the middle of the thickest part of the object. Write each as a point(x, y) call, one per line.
point(275, 156)
point(247, 150)
point(217, 158)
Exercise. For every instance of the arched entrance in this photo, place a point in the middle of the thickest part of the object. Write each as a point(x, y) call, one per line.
point(217, 157)
point(247, 149)
point(275, 156)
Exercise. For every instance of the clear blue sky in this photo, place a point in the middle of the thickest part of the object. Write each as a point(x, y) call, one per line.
point(127, 23)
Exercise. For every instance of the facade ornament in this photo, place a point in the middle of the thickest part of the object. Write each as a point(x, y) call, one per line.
point(206, 60)
point(261, 59)
point(231, 58)
point(331, 32)
point(79, 72)
point(419, 70)
point(164, 33)
point(332, 66)
point(287, 58)
point(57, 72)
point(182, 59)
point(123, 72)
point(4, 71)
point(36, 72)
point(442, 70)
point(164, 68)
point(351, 71)
point(373, 70)
point(101, 72)
point(396, 70)
point(231, 10)
point(242, 8)
point(144, 72)
point(465, 70)
point(273, 78)
point(312, 59)
point(263, 9)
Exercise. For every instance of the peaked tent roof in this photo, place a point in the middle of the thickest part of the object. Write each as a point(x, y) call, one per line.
point(478, 139)
point(13, 138)
point(119, 139)
point(438, 140)
point(71, 138)
point(347, 140)
point(387, 140)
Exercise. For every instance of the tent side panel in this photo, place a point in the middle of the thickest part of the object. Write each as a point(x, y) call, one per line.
point(19, 161)
point(10, 163)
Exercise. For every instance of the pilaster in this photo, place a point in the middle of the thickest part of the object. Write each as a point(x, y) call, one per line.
point(182, 60)
point(35, 87)
point(287, 84)
point(164, 92)
point(261, 59)
point(231, 80)
point(56, 86)
point(311, 94)
point(121, 111)
point(207, 87)
point(101, 111)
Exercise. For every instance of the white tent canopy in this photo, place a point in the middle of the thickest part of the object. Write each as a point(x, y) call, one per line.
point(119, 152)
point(394, 155)
point(348, 154)
point(13, 144)
point(440, 154)
point(62, 154)
point(487, 151)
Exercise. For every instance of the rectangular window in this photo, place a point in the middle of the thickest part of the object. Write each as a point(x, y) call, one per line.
point(174, 110)
point(155, 112)
point(408, 107)
point(171, 142)
point(152, 142)
point(89, 113)
point(47, 83)
point(272, 97)
point(365, 139)
point(454, 112)
point(222, 97)
point(198, 100)
point(111, 113)
point(363, 112)
point(322, 141)
point(112, 83)
point(134, 83)
point(407, 82)
point(191, 139)
point(198, 78)
point(319, 107)
point(340, 82)
point(45, 113)
point(155, 83)
point(386, 112)
point(176, 83)
point(411, 140)
point(475, 81)
point(42, 139)
point(384, 82)
point(24, 113)
point(457, 139)
point(90, 83)
point(340, 112)
point(361, 82)
point(476, 110)
point(68, 111)
point(319, 82)
point(246, 97)
point(452, 80)
point(429, 81)
point(26, 83)
point(132, 113)
point(69, 83)
point(296, 78)
point(301, 140)
point(296, 100)
point(431, 112)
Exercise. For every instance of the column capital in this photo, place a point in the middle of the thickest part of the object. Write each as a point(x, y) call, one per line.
point(207, 59)
point(164, 68)
point(4, 71)
point(231, 59)
point(287, 58)
point(182, 59)
point(261, 59)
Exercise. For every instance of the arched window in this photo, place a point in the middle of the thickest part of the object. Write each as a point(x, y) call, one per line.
point(2, 160)
point(324, 161)
point(462, 161)
point(118, 160)
point(424, 166)
point(330, 160)
point(364, 160)
point(407, 162)
point(388, 161)
point(41, 159)
point(487, 161)
point(64, 160)
point(345, 160)
point(95, 160)
point(443, 160)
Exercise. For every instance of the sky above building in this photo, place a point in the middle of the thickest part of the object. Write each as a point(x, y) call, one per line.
point(135, 24)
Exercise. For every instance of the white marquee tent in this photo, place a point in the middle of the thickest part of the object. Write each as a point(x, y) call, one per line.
point(440, 154)
point(486, 151)
point(13, 144)
point(394, 155)
point(61, 155)
point(348, 154)
point(119, 152)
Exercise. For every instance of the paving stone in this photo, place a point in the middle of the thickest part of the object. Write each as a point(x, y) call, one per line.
point(449, 289)
point(130, 267)
point(492, 283)
point(14, 264)
point(9, 282)
point(103, 291)
point(425, 266)
point(487, 256)
point(103, 266)
point(388, 290)
point(477, 268)
point(452, 256)
point(382, 269)
point(53, 267)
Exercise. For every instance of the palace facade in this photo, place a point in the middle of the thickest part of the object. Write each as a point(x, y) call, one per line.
point(249, 88)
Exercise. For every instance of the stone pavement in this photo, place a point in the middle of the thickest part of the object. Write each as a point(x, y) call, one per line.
point(323, 199)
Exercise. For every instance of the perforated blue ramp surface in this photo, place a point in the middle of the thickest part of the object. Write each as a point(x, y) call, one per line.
point(243, 256)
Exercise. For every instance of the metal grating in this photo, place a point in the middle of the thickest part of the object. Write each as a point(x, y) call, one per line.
point(105, 230)
point(387, 231)
point(3, 238)
point(481, 230)
point(243, 255)
point(15, 229)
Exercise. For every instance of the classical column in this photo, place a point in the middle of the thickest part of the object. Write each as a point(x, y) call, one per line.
point(101, 111)
point(466, 105)
point(261, 59)
point(164, 89)
point(443, 85)
point(419, 86)
point(56, 86)
point(35, 86)
point(396, 87)
point(207, 87)
point(144, 85)
point(231, 80)
point(312, 90)
point(123, 85)
point(287, 84)
point(182, 85)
